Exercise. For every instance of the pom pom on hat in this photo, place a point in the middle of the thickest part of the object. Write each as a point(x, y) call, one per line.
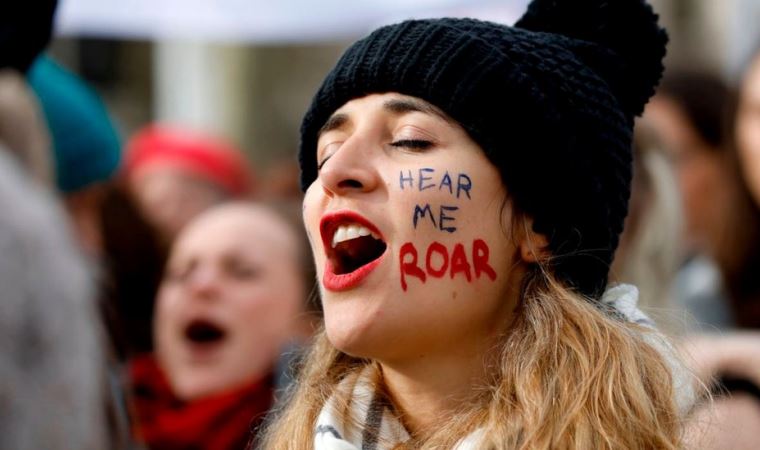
point(628, 28)
point(195, 153)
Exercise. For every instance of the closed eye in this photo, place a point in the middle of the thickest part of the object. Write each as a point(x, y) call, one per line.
point(322, 163)
point(328, 150)
point(416, 144)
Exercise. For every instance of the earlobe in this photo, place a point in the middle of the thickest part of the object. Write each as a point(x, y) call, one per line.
point(534, 247)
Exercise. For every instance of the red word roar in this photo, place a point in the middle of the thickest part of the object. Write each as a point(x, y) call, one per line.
point(454, 263)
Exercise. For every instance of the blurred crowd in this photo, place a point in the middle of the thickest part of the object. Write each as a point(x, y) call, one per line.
point(154, 296)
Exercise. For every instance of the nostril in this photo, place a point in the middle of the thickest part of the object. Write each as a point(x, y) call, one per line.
point(351, 184)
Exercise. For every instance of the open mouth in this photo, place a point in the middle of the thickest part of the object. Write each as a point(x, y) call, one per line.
point(352, 247)
point(204, 332)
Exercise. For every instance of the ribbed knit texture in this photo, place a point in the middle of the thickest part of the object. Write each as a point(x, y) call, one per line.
point(554, 112)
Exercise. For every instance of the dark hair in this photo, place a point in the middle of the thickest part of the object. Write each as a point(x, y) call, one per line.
point(134, 260)
point(739, 257)
point(704, 99)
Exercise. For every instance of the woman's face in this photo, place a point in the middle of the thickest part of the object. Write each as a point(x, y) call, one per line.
point(228, 301)
point(405, 222)
point(171, 198)
point(748, 129)
point(700, 171)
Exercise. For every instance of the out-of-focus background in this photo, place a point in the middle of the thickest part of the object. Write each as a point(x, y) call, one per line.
point(247, 69)
point(150, 211)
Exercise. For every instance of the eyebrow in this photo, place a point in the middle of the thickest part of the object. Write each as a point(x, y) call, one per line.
point(401, 106)
point(397, 106)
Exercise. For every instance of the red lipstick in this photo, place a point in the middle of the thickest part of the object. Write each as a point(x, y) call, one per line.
point(328, 225)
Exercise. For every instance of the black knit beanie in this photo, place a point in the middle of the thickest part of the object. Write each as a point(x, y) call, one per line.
point(551, 101)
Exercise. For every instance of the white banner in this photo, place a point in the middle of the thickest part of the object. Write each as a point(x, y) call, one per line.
point(261, 21)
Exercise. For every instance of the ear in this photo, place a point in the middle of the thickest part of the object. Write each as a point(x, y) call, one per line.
point(534, 247)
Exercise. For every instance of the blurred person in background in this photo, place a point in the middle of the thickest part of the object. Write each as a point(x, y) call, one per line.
point(689, 116)
point(176, 173)
point(730, 362)
point(133, 261)
point(86, 145)
point(649, 253)
point(231, 300)
point(22, 127)
point(744, 285)
point(280, 181)
point(25, 30)
point(53, 380)
point(123, 248)
point(53, 376)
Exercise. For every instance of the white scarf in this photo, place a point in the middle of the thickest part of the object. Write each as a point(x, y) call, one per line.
point(381, 429)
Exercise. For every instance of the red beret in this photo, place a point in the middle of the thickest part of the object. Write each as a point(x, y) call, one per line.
point(198, 154)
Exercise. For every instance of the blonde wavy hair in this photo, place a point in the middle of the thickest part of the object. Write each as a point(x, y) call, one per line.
point(568, 375)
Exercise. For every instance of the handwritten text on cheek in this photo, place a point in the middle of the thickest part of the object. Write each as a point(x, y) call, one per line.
point(439, 260)
point(454, 263)
point(425, 180)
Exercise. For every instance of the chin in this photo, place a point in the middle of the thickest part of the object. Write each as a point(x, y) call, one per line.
point(197, 386)
point(371, 340)
point(189, 390)
point(350, 338)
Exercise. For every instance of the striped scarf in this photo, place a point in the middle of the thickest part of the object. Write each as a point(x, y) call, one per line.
point(380, 429)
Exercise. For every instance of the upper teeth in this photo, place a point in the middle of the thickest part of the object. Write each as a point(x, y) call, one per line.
point(348, 232)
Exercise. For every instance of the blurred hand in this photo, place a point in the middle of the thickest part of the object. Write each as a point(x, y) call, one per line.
point(736, 354)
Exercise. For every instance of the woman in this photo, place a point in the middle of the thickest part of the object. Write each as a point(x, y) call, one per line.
point(649, 251)
point(466, 184)
point(742, 281)
point(691, 115)
point(176, 173)
point(732, 359)
point(231, 300)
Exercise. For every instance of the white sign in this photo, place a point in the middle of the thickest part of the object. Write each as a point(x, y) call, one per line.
point(259, 20)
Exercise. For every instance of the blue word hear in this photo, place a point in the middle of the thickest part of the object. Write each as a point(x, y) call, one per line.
point(426, 180)
point(443, 219)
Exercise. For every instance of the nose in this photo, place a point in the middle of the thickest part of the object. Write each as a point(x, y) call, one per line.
point(203, 283)
point(352, 168)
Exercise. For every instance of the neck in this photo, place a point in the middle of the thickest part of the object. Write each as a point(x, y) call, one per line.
point(431, 386)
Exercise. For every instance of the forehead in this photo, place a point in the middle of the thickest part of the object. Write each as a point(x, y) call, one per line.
point(237, 229)
point(392, 102)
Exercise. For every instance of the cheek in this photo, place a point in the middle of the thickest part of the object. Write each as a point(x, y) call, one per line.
point(451, 217)
point(748, 135)
point(153, 192)
point(168, 344)
point(748, 131)
point(312, 213)
point(456, 263)
point(168, 308)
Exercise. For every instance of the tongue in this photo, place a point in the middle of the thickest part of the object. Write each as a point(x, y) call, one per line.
point(355, 253)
